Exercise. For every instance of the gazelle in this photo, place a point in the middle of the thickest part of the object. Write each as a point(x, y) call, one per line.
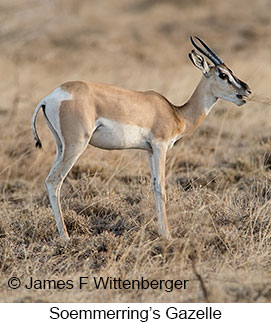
point(80, 113)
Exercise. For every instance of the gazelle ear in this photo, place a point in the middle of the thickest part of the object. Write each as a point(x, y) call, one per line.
point(200, 63)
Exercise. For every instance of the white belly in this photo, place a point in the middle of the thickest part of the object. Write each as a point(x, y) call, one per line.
point(109, 134)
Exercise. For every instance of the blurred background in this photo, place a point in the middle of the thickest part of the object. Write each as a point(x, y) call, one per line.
point(136, 44)
point(218, 179)
point(139, 45)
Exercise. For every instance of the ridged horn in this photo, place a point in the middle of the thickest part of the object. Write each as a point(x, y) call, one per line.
point(210, 54)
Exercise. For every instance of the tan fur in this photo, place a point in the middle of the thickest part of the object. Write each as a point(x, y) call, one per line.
point(144, 109)
point(81, 113)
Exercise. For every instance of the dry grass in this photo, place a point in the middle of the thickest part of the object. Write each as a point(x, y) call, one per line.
point(218, 179)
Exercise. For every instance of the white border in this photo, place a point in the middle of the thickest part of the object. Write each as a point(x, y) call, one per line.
point(40, 312)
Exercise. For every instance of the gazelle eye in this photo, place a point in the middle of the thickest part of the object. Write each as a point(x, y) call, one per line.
point(223, 76)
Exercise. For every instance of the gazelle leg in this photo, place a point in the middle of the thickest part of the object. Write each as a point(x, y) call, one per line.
point(71, 133)
point(55, 179)
point(157, 165)
point(53, 184)
point(151, 164)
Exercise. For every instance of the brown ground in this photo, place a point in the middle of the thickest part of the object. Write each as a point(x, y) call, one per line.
point(218, 179)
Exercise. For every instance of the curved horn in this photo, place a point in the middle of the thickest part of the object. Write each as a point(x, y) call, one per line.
point(209, 50)
point(210, 54)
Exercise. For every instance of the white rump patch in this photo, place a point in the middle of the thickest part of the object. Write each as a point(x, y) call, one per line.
point(52, 103)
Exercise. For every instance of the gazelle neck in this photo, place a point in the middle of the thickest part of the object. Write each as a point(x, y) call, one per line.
point(196, 109)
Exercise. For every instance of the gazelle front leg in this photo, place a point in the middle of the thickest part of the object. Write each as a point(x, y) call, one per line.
point(151, 164)
point(157, 161)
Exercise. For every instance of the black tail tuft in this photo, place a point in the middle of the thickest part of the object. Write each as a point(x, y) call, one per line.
point(38, 144)
point(35, 134)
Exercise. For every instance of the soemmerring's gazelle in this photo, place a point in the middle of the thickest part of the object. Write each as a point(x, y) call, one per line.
point(81, 113)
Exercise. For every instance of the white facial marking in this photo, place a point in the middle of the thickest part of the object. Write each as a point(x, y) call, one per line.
point(109, 134)
point(230, 77)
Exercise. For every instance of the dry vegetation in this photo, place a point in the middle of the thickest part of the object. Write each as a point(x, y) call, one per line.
point(218, 179)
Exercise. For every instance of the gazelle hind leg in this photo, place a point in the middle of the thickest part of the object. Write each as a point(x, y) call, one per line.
point(54, 181)
point(53, 184)
point(72, 132)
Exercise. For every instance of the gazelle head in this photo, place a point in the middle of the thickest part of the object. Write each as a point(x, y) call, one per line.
point(223, 83)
